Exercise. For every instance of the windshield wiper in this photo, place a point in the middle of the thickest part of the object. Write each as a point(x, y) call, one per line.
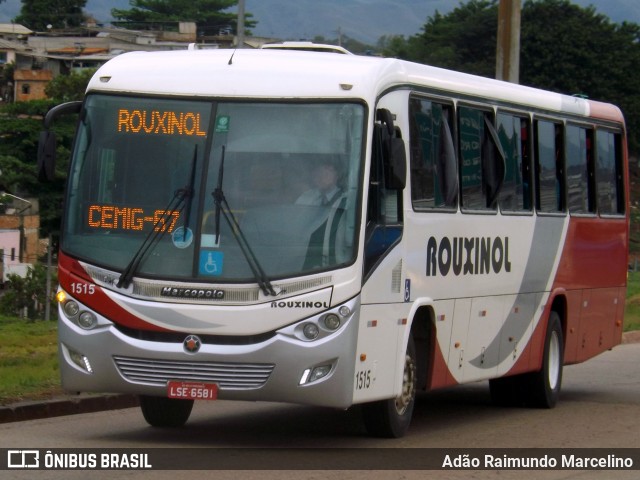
point(181, 197)
point(189, 193)
point(223, 207)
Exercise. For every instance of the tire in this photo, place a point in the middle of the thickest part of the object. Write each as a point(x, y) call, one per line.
point(391, 418)
point(543, 387)
point(165, 412)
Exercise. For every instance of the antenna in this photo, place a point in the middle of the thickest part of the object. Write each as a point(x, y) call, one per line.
point(231, 59)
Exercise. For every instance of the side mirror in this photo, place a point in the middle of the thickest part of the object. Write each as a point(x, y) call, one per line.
point(46, 156)
point(47, 142)
point(395, 157)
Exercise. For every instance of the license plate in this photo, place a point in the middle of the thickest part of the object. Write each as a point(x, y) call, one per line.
point(192, 390)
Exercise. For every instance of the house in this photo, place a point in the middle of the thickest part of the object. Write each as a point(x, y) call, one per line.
point(31, 84)
point(19, 234)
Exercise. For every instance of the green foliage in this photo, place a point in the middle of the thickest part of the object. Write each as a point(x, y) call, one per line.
point(66, 88)
point(464, 39)
point(632, 308)
point(206, 13)
point(27, 294)
point(38, 14)
point(564, 48)
point(574, 50)
point(20, 126)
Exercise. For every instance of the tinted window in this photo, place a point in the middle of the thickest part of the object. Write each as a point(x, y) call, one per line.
point(481, 158)
point(549, 169)
point(608, 174)
point(434, 176)
point(579, 188)
point(515, 194)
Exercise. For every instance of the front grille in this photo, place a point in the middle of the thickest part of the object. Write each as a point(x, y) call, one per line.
point(178, 337)
point(239, 376)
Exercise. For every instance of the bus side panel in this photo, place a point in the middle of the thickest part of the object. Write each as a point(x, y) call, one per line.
point(594, 254)
point(381, 333)
point(438, 369)
point(597, 323)
point(593, 268)
point(574, 306)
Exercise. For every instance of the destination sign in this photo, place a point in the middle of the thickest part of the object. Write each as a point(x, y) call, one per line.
point(156, 122)
point(130, 218)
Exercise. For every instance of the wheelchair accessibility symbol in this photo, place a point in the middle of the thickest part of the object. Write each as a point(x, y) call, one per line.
point(211, 262)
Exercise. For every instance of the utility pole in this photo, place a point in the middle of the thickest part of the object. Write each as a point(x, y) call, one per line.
point(240, 36)
point(508, 44)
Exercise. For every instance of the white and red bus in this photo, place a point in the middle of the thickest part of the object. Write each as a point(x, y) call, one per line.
point(476, 230)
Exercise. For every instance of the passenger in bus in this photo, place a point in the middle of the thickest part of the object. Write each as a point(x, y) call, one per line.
point(326, 190)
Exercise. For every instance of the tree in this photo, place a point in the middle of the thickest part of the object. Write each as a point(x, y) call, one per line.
point(27, 294)
point(20, 127)
point(464, 39)
point(65, 88)
point(570, 49)
point(564, 48)
point(39, 14)
point(210, 15)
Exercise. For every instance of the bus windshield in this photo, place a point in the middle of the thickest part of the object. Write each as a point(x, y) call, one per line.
point(204, 190)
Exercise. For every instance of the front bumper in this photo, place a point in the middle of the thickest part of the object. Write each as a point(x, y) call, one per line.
point(105, 359)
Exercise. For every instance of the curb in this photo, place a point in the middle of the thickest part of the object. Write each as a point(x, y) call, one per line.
point(65, 406)
point(74, 405)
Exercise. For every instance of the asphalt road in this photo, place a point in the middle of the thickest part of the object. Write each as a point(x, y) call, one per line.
point(599, 408)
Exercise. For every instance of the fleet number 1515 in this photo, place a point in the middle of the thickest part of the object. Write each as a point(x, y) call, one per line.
point(83, 288)
point(363, 379)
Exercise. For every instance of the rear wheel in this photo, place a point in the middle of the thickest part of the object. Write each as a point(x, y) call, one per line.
point(391, 418)
point(165, 412)
point(537, 389)
point(544, 386)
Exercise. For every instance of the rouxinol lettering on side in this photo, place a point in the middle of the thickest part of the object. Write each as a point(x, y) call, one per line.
point(467, 255)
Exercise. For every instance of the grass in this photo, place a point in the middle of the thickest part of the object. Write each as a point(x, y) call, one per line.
point(28, 360)
point(29, 352)
point(632, 307)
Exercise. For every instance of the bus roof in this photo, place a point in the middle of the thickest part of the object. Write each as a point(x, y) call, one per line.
point(273, 74)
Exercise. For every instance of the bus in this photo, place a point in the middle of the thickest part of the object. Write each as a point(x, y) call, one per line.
point(476, 230)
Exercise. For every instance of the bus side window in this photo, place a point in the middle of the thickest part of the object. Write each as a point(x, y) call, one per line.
point(482, 160)
point(549, 159)
point(580, 187)
point(609, 173)
point(434, 173)
point(515, 195)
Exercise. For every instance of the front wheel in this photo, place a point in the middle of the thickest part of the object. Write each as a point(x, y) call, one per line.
point(165, 412)
point(390, 418)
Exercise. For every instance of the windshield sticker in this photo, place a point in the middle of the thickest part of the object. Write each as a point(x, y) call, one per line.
point(208, 240)
point(182, 237)
point(129, 218)
point(155, 122)
point(211, 262)
point(222, 124)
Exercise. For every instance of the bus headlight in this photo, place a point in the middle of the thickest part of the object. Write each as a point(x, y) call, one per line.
point(311, 331)
point(71, 309)
point(87, 320)
point(332, 321)
point(322, 325)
